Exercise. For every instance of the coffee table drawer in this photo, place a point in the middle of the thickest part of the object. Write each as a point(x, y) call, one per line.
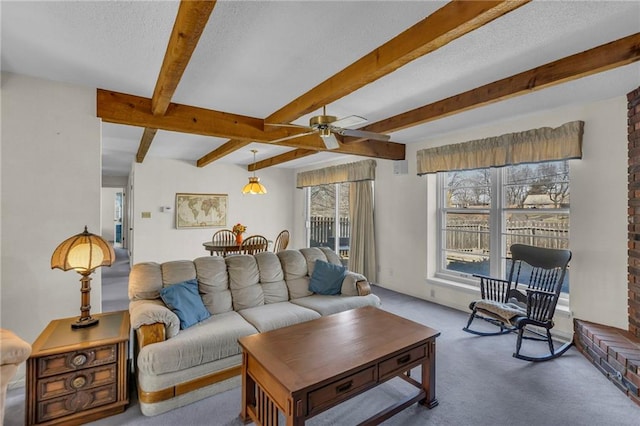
point(399, 363)
point(339, 390)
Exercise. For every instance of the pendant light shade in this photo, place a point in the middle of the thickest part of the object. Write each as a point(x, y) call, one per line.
point(254, 186)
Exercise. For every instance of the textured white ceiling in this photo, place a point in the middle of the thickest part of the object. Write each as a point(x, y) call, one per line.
point(256, 56)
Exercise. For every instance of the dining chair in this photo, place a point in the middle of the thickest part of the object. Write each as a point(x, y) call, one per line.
point(225, 237)
point(254, 244)
point(282, 241)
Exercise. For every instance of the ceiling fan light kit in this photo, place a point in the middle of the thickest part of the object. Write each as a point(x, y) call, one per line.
point(328, 125)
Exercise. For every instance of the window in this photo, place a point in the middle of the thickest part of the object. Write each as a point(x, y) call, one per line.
point(483, 212)
point(328, 217)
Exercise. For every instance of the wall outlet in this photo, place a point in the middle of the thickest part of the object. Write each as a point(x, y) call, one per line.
point(432, 293)
point(146, 215)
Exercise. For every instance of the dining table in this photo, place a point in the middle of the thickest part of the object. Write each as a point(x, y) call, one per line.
point(223, 248)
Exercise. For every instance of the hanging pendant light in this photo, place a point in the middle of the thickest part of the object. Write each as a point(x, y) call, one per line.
point(254, 186)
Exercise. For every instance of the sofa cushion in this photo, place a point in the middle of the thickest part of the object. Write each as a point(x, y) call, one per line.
point(277, 315)
point(145, 281)
point(271, 277)
point(327, 305)
point(332, 256)
point(177, 271)
point(311, 254)
point(294, 266)
point(211, 272)
point(185, 301)
point(327, 278)
point(244, 279)
point(212, 339)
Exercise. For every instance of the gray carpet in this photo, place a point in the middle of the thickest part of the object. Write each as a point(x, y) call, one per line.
point(478, 382)
point(114, 283)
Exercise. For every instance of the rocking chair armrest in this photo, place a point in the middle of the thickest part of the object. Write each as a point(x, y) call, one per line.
point(531, 293)
point(541, 305)
point(494, 288)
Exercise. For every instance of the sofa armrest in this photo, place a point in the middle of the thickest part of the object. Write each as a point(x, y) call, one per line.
point(150, 333)
point(149, 312)
point(363, 287)
point(355, 285)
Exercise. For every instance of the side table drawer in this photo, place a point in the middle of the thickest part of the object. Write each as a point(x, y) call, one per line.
point(72, 361)
point(399, 363)
point(335, 392)
point(65, 384)
point(83, 400)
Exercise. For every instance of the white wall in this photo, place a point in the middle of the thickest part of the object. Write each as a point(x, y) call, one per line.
point(51, 158)
point(158, 180)
point(405, 216)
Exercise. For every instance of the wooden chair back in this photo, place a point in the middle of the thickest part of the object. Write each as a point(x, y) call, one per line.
point(282, 241)
point(223, 237)
point(254, 244)
point(542, 271)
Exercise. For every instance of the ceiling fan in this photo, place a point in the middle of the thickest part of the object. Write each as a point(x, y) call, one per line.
point(328, 125)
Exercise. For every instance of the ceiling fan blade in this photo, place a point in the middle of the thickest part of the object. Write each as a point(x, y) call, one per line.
point(364, 134)
point(293, 136)
point(330, 141)
point(352, 120)
point(297, 126)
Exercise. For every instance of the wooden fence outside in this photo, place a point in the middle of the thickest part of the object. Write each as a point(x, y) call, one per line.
point(323, 232)
point(473, 236)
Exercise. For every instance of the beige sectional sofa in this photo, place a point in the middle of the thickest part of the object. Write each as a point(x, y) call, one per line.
point(245, 294)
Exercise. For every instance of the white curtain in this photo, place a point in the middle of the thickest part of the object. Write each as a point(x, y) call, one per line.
point(531, 146)
point(362, 242)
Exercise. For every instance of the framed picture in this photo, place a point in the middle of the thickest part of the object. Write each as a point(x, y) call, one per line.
point(201, 210)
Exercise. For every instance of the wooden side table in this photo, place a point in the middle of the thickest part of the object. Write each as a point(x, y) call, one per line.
point(78, 375)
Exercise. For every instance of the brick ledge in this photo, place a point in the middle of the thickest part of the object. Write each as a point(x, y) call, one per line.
point(615, 352)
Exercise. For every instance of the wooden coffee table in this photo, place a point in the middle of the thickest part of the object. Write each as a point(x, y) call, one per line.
point(310, 367)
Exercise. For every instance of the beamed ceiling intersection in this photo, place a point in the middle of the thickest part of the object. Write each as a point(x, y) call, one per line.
point(453, 20)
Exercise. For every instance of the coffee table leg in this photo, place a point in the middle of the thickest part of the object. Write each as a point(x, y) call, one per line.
point(429, 377)
point(248, 390)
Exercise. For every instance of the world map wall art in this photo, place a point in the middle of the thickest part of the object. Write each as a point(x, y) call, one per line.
point(201, 210)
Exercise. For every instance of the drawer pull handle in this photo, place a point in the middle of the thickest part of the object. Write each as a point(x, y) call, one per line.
point(404, 359)
point(79, 382)
point(344, 387)
point(79, 360)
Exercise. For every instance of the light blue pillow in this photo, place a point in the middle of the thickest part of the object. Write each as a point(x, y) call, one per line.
point(185, 301)
point(327, 278)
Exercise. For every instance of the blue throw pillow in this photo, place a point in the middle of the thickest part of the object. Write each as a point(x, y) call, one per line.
point(327, 278)
point(184, 300)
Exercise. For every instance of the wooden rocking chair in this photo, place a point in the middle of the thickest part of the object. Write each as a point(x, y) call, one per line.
point(540, 272)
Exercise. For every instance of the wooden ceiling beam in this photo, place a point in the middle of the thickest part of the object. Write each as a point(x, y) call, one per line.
point(282, 158)
point(190, 22)
point(145, 143)
point(121, 108)
point(448, 23)
point(225, 149)
point(602, 58)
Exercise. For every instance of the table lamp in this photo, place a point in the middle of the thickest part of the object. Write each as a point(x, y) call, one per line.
point(84, 253)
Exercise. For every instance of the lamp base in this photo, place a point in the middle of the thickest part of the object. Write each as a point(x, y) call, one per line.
point(87, 322)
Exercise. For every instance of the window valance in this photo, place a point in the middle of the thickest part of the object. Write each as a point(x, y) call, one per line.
point(350, 172)
point(531, 146)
